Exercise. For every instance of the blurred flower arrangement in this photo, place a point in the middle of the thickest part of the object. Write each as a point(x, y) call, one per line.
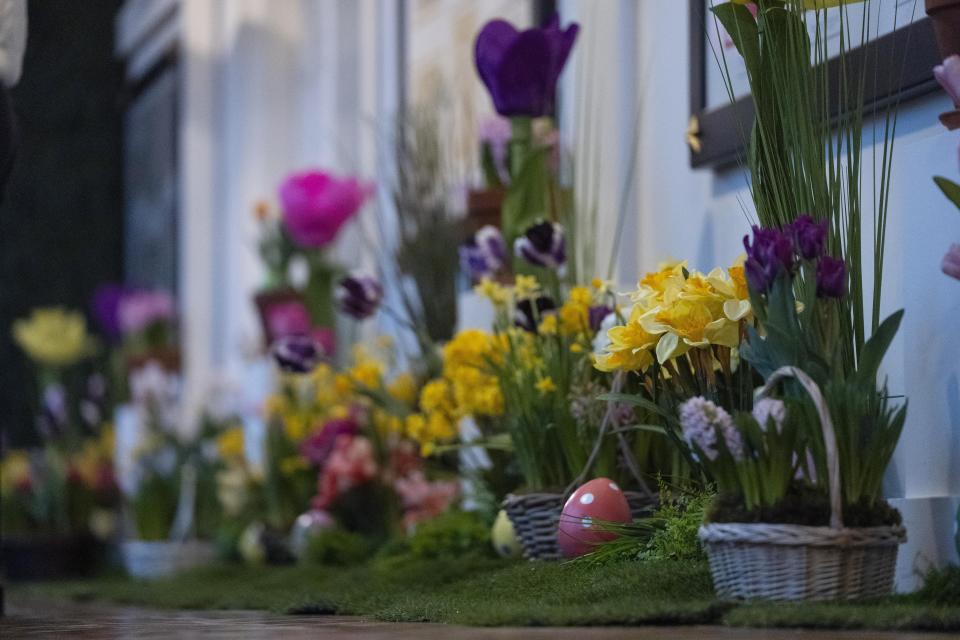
point(314, 207)
point(948, 75)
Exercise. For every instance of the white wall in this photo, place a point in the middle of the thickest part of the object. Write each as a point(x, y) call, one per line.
point(700, 215)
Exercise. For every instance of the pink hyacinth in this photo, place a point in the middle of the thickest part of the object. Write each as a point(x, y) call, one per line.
point(951, 262)
point(948, 75)
point(141, 309)
point(700, 421)
point(350, 465)
point(317, 204)
point(422, 499)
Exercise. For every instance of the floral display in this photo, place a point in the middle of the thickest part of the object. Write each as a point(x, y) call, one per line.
point(317, 204)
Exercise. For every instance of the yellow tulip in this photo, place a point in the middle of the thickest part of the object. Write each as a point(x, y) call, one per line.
point(54, 336)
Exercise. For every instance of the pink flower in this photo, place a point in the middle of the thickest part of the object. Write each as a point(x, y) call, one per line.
point(318, 446)
point(351, 464)
point(948, 75)
point(317, 204)
point(951, 262)
point(423, 500)
point(141, 309)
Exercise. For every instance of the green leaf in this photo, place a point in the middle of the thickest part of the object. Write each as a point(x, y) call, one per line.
point(742, 28)
point(876, 347)
point(637, 401)
point(950, 189)
point(528, 195)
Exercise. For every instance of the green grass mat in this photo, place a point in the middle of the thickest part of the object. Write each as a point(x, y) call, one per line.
point(480, 591)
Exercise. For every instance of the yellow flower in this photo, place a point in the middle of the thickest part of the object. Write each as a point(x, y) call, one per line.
point(546, 385)
point(53, 336)
point(14, 470)
point(548, 326)
point(630, 347)
point(368, 373)
point(416, 426)
point(494, 292)
point(403, 388)
point(435, 396)
point(525, 287)
point(342, 385)
point(295, 427)
point(669, 278)
point(292, 464)
point(439, 427)
point(230, 443)
point(576, 347)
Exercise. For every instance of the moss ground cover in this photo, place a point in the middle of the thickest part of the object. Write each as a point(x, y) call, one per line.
point(484, 591)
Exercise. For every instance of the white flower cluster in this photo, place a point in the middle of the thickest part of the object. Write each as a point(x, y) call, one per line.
point(701, 420)
point(769, 409)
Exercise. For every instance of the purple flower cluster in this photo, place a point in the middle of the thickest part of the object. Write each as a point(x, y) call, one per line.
point(359, 296)
point(297, 353)
point(542, 245)
point(773, 252)
point(521, 68)
point(120, 310)
point(702, 421)
point(770, 410)
point(484, 254)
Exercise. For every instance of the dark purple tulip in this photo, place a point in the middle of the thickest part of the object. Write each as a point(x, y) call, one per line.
point(106, 309)
point(770, 254)
point(810, 236)
point(831, 277)
point(297, 353)
point(359, 296)
point(526, 318)
point(317, 447)
point(597, 314)
point(484, 254)
point(521, 68)
point(542, 245)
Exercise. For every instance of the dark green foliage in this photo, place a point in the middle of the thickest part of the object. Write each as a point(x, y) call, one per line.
point(336, 547)
point(941, 586)
point(452, 534)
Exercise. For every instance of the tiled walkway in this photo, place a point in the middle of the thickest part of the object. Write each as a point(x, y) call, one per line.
point(36, 619)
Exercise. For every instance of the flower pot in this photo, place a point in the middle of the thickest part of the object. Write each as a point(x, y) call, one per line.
point(51, 557)
point(150, 560)
point(535, 517)
point(768, 561)
point(483, 208)
point(945, 15)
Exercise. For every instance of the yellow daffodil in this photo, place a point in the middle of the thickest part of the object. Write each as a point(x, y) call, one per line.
point(403, 388)
point(494, 292)
point(546, 385)
point(230, 443)
point(525, 287)
point(548, 326)
point(53, 336)
point(14, 470)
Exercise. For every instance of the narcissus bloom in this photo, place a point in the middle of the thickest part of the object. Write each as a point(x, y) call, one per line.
point(53, 336)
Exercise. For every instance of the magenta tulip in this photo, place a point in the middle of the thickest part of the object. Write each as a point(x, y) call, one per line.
point(951, 262)
point(317, 204)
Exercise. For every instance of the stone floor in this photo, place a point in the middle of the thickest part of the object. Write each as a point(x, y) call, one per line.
point(38, 618)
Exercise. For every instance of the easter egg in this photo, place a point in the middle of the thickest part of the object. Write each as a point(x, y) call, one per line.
point(599, 500)
point(504, 537)
point(307, 525)
point(250, 546)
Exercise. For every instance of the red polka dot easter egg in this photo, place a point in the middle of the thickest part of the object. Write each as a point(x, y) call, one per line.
point(598, 500)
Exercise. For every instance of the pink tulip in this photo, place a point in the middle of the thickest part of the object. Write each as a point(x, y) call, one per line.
point(951, 262)
point(317, 204)
point(948, 75)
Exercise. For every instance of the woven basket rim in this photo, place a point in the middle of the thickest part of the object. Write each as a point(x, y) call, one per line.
point(800, 535)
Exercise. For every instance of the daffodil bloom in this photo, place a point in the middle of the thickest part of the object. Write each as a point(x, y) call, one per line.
point(53, 336)
point(230, 443)
point(526, 287)
point(492, 291)
point(546, 385)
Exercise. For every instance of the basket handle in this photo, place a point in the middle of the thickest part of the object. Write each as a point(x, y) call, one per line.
point(628, 457)
point(829, 434)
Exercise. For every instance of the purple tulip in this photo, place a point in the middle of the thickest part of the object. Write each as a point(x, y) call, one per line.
point(521, 68)
point(527, 318)
point(359, 296)
point(597, 314)
point(831, 277)
point(770, 254)
point(297, 353)
point(948, 75)
point(542, 245)
point(951, 262)
point(317, 204)
point(809, 236)
point(106, 307)
point(484, 254)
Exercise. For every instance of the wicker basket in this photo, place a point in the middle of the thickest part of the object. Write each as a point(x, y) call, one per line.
point(535, 517)
point(794, 562)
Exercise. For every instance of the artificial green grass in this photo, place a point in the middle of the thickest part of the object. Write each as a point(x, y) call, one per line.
point(483, 591)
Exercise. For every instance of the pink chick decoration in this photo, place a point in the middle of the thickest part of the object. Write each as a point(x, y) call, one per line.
point(599, 500)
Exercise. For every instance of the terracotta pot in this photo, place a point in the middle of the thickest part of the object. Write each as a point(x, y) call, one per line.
point(483, 208)
point(945, 15)
point(167, 357)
